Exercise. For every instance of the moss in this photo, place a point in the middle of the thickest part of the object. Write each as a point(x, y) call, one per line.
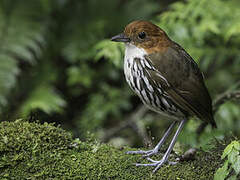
point(34, 151)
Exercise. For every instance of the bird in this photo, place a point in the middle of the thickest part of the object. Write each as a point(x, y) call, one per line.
point(166, 79)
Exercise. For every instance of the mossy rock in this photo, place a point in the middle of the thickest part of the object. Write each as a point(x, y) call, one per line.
point(43, 151)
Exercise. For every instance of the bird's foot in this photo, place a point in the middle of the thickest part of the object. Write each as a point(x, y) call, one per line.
point(145, 153)
point(157, 164)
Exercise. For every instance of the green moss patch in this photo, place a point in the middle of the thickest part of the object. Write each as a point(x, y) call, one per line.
point(35, 151)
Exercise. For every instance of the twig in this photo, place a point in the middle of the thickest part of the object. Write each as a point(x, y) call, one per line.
point(221, 99)
point(132, 123)
point(234, 95)
point(141, 111)
point(210, 69)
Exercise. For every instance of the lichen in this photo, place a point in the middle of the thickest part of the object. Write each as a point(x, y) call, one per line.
point(43, 151)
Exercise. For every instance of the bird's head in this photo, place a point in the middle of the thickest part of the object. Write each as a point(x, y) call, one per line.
point(144, 34)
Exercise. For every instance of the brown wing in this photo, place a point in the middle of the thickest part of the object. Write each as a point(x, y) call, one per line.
point(181, 78)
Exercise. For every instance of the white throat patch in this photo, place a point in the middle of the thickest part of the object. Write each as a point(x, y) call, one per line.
point(132, 51)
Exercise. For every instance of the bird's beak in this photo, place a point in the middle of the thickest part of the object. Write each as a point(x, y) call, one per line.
point(120, 38)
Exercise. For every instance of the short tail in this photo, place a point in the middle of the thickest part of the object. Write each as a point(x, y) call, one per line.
point(212, 121)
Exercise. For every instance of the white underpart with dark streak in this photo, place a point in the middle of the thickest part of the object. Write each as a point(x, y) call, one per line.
point(131, 52)
point(135, 77)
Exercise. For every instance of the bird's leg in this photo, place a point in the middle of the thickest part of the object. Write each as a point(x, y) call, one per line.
point(158, 164)
point(157, 147)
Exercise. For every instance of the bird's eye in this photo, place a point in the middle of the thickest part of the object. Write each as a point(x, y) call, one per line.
point(142, 35)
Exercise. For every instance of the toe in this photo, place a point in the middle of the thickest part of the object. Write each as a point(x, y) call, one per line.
point(151, 160)
point(135, 152)
point(139, 152)
point(149, 154)
point(138, 164)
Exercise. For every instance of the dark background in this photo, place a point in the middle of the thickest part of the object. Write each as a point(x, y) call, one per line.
point(57, 64)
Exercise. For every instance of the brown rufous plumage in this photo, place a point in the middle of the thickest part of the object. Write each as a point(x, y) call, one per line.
point(185, 84)
point(166, 79)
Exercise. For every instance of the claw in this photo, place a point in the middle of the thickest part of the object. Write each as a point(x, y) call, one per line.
point(151, 153)
point(151, 160)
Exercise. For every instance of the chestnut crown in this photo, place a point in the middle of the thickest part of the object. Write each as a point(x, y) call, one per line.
point(143, 34)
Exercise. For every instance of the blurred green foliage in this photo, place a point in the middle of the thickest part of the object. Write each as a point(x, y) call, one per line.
point(51, 66)
point(57, 62)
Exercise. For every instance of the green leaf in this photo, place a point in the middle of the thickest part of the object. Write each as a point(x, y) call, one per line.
point(110, 50)
point(233, 30)
point(80, 75)
point(237, 145)
point(233, 177)
point(236, 165)
point(227, 151)
point(44, 98)
point(232, 156)
point(18, 34)
point(8, 73)
point(222, 172)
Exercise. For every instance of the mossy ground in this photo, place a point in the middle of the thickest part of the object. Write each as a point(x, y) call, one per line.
point(34, 151)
